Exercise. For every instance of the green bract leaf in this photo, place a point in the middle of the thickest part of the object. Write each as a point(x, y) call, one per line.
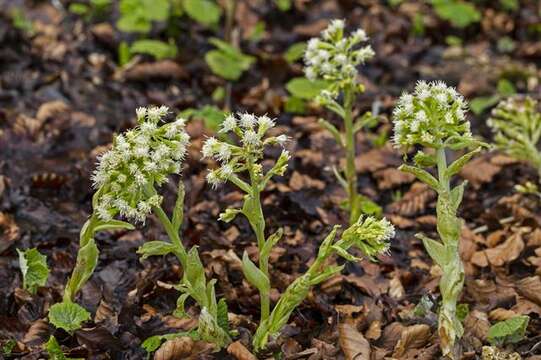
point(303, 88)
point(34, 269)
point(422, 175)
point(459, 163)
point(295, 52)
point(228, 215)
point(424, 160)
point(436, 250)
point(205, 12)
point(68, 316)
point(255, 276)
point(158, 49)
point(227, 61)
point(269, 244)
point(333, 130)
point(508, 331)
point(113, 225)
point(87, 259)
point(155, 248)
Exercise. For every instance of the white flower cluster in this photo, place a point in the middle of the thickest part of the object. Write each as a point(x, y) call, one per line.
point(139, 159)
point(251, 130)
point(369, 235)
point(335, 57)
point(431, 115)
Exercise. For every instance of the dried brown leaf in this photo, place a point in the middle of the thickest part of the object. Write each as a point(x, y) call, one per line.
point(239, 351)
point(392, 177)
point(9, 231)
point(175, 349)
point(477, 324)
point(530, 288)
point(479, 171)
point(299, 182)
point(163, 69)
point(413, 337)
point(414, 201)
point(353, 343)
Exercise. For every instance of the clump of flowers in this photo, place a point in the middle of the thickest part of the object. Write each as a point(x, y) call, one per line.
point(126, 179)
point(516, 123)
point(241, 165)
point(434, 117)
point(335, 57)
point(140, 159)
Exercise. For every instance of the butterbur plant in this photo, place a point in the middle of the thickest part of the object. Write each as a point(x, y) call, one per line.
point(516, 123)
point(241, 165)
point(246, 159)
point(434, 117)
point(334, 57)
point(126, 182)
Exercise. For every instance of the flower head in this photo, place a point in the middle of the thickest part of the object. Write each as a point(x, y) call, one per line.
point(369, 235)
point(139, 160)
point(334, 56)
point(252, 133)
point(433, 114)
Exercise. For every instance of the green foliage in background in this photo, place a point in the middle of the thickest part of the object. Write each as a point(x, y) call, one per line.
point(34, 269)
point(227, 61)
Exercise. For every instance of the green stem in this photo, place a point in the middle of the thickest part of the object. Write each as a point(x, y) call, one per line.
point(173, 235)
point(452, 281)
point(351, 174)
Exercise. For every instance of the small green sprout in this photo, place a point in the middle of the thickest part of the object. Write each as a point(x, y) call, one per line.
point(434, 116)
point(509, 331)
point(334, 58)
point(516, 123)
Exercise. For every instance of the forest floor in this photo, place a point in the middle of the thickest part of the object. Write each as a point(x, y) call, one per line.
point(62, 96)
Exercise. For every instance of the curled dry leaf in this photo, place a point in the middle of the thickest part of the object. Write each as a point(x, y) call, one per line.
point(413, 337)
point(51, 109)
point(530, 288)
point(175, 349)
point(353, 343)
point(477, 324)
point(37, 334)
point(9, 231)
point(299, 182)
point(377, 159)
point(239, 351)
point(501, 314)
point(164, 69)
point(374, 330)
point(502, 254)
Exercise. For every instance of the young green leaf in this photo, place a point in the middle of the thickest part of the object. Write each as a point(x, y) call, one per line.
point(223, 317)
point(227, 61)
point(178, 211)
point(68, 316)
point(34, 269)
point(255, 276)
point(205, 12)
point(158, 49)
point(459, 13)
point(295, 52)
point(422, 175)
point(155, 248)
point(508, 331)
point(137, 15)
point(303, 88)
point(113, 225)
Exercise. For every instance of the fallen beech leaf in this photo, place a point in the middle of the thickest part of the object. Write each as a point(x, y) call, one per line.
point(479, 171)
point(391, 335)
point(311, 29)
point(175, 349)
point(530, 288)
point(50, 109)
point(396, 290)
point(353, 343)
point(164, 69)
point(502, 254)
point(37, 334)
point(239, 351)
point(477, 324)
point(501, 314)
point(9, 231)
point(413, 337)
point(374, 330)
point(391, 177)
point(299, 182)
point(414, 201)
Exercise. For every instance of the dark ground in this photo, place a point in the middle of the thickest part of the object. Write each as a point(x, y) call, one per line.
point(62, 97)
